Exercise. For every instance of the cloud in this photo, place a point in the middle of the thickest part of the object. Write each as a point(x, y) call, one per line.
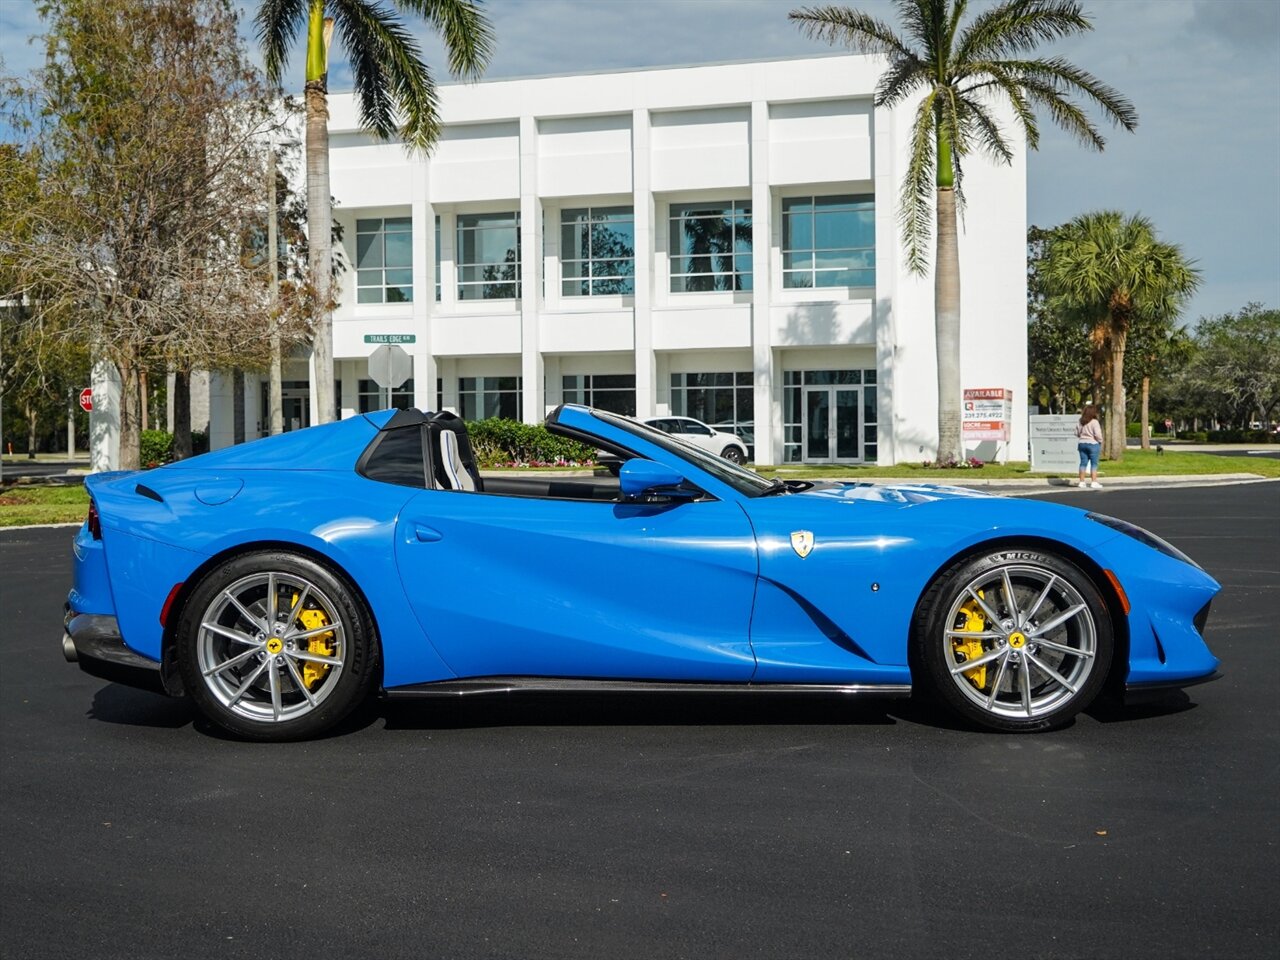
point(1244, 24)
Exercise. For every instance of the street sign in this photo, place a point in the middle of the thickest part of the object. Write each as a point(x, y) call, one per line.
point(390, 338)
point(389, 366)
point(86, 399)
point(986, 414)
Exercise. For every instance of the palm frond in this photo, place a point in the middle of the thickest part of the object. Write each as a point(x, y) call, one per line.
point(836, 25)
point(1016, 26)
point(391, 79)
point(917, 18)
point(980, 127)
point(279, 23)
point(466, 32)
point(904, 76)
point(1117, 108)
point(915, 206)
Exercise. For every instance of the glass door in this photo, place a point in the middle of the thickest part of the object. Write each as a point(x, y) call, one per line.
point(817, 424)
point(832, 432)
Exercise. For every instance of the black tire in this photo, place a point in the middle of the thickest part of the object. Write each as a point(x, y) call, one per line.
point(1030, 673)
point(732, 454)
point(288, 683)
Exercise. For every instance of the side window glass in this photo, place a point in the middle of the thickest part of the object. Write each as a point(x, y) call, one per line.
point(699, 429)
point(397, 458)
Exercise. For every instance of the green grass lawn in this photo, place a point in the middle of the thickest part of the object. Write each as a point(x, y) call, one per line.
point(21, 506)
point(1136, 463)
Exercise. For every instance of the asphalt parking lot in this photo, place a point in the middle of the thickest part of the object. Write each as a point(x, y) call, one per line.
point(652, 827)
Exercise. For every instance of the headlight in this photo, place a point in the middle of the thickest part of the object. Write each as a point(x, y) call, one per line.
point(1143, 536)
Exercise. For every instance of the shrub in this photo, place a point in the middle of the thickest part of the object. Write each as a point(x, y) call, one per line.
point(498, 443)
point(1195, 436)
point(1134, 430)
point(155, 447)
point(1237, 435)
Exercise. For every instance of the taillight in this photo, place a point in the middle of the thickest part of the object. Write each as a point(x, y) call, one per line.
point(93, 522)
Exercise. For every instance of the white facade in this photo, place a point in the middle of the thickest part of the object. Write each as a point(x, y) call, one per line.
point(795, 175)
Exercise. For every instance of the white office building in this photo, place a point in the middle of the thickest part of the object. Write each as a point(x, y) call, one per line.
point(716, 241)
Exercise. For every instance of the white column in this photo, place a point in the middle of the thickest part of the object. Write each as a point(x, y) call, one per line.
point(642, 315)
point(887, 259)
point(104, 419)
point(533, 398)
point(768, 422)
point(424, 286)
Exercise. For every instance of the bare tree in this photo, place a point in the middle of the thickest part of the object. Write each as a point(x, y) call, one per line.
point(146, 237)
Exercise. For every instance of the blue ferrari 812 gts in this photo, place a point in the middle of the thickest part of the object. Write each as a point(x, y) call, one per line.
point(281, 582)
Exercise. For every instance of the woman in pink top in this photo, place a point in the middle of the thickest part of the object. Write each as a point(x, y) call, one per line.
point(1089, 435)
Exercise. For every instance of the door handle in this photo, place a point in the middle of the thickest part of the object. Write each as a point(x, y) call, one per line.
point(426, 534)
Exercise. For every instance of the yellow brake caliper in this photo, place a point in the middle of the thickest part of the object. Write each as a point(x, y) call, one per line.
point(974, 622)
point(321, 644)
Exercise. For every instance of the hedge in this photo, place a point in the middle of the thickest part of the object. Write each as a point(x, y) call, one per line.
point(498, 443)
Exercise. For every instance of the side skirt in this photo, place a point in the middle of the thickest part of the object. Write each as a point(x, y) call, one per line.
point(489, 686)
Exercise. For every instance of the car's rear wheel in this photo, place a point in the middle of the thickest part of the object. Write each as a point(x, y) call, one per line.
point(1015, 640)
point(274, 646)
point(732, 454)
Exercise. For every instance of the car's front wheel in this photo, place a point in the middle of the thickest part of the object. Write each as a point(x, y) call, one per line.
point(274, 646)
point(732, 454)
point(1014, 640)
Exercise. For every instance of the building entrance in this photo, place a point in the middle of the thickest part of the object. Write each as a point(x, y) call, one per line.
point(831, 430)
point(295, 405)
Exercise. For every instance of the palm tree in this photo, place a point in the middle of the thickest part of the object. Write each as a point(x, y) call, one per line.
point(396, 95)
point(1115, 271)
point(959, 73)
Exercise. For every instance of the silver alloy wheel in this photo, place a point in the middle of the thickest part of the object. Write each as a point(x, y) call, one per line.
point(271, 647)
point(1035, 647)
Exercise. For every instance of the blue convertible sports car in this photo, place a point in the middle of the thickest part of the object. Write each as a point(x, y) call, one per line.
point(281, 582)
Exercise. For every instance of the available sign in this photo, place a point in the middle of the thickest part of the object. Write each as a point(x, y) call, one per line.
point(986, 414)
point(1053, 443)
point(390, 338)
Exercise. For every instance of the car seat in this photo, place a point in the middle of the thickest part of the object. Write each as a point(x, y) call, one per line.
point(452, 463)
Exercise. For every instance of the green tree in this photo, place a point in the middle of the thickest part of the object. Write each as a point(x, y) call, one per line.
point(147, 121)
point(392, 82)
point(1235, 373)
point(958, 72)
point(1058, 370)
point(1157, 348)
point(1115, 270)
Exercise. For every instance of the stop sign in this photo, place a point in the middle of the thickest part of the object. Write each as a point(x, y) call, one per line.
point(86, 399)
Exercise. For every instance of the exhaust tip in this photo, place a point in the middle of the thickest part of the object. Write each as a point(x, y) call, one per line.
point(69, 648)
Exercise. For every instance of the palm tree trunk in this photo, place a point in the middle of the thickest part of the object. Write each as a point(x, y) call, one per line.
point(1146, 413)
point(1117, 421)
point(130, 439)
point(319, 212)
point(946, 297)
point(182, 448)
point(275, 415)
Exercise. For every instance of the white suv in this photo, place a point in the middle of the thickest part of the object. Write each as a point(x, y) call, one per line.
point(696, 432)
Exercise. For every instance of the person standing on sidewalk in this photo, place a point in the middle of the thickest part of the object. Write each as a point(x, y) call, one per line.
point(1089, 437)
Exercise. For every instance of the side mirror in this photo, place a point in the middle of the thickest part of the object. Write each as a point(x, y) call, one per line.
point(644, 479)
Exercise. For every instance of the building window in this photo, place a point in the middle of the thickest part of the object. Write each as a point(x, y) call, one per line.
point(597, 251)
point(828, 242)
point(615, 392)
point(384, 260)
point(793, 384)
point(726, 401)
point(374, 397)
point(480, 398)
point(488, 256)
point(710, 246)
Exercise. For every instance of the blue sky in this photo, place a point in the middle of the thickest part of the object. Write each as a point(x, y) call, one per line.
point(1204, 75)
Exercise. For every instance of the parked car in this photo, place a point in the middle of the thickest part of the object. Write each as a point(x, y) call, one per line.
point(718, 442)
point(281, 582)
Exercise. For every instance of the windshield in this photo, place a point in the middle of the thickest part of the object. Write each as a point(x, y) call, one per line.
point(746, 482)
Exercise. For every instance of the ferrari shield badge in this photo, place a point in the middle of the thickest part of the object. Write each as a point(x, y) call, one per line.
point(802, 542)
